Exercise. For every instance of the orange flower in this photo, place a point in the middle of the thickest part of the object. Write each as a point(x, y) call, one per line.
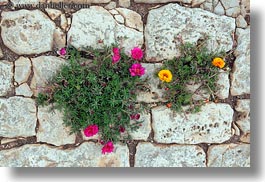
point(165, 75)
point(218, 62)
point(169, 105)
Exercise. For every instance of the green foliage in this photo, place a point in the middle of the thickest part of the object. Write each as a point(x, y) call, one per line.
point(194, 66)
point(92, 90)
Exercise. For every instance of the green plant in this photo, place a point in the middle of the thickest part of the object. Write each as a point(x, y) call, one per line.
point(193, 67)
point(92, 90)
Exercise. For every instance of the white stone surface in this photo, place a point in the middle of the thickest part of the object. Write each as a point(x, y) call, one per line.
point(233, 12)
point(24, 90)
point(17, 117)
point(190, 23)
point(80, 1)
point(154, 94)
point(219, 9)
point(94, 24)
point(241, 22)
point(119, 19)
point(229, 155)
point(33, 2)
point(111, 5)
point(230, 4)
point(44, 67)
point(87, 154)
point(51, 128)
point(6, 76)
point(240, 79)
point(211, 125)
point(132, 19)
point(151, 155)
point(144, 131)
point(223, 85)
point(21, 31)
point(22, 69)
point(162, 1)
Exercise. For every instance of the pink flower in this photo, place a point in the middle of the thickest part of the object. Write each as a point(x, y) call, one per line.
point(108, 148)
point(62, 51)
point(137, 70)
point(122, 129)
point(137, 53)
point(135, 116)
point(91, 130)
point(116, 55)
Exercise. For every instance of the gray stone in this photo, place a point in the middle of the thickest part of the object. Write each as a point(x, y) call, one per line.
point(59, 38)
point(197, 92)
point(233, 12)
point(44, 67)
point(24, 90)
point(21, 31)
point(230, 3)
point(87, 154)
point(211, 125)
point(32, 2)
point(219, 9)
point(64, 22)
point(229, 155)
point(132, 19)
point(196, 3)
point(207, 5)
point(145, 129)
point(162, 38)
point(125, 3)
point(154, 155)
point(155, 93)
point(22, 69)
point(243, 106)
point(223, 85)
point(80, 1)
point(6, 76)
point(17, 117)
point(240, 79)
point(241, 22)
point(94, 24)
point(111, 5)
point(1, 53)
point(53, 13)
point(119, 19)
point(162, 1)
point(51, 128)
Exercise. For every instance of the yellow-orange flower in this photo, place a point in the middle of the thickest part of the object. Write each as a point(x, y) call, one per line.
point(218, 62)
point(165, 75)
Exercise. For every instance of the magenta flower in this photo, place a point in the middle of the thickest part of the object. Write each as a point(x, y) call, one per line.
point(135, 116)
point(137, 70)
point(108, 148)
point(62, 51)
point(91, 130)
point(116, 55)
point(137, 53)
point(122, 129)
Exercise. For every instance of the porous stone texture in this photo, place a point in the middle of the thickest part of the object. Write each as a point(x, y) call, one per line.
point(132, 19)
point(125, 3)
point(211, 125)
point(240, 79)
point(152, 155)
point(229, 155)
point(223, 85)
point(87, 154)
point(44, 68)
point(191, 24)
point(243, 106)
point(24, 90)
point(17, 117)
point(162, 1)
point(51, 128)
point(6, 75)
point(145, 129)
point(21, 31)
point(154, 94)
point(91, 25)
point(22, 69)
